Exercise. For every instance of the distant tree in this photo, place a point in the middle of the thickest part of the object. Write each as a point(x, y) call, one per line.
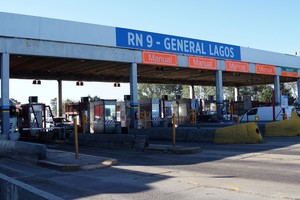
point(247, 91)
point(286, 90)
point(228, 93)
point(53, 105)
point(15, 101)
point(293, 88)
point(95, 98)
point(265, 94)
point(150, 91)
point(185, 91)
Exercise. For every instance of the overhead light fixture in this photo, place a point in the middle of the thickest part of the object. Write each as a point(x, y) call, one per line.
point(79, 83)
point(159, 69)
point(36, 82)
point(116, 84)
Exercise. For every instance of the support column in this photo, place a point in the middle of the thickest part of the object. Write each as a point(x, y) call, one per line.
point(133, 97)
point(219, 94)
point(192, 92)
point(277, 90)
point(59, 99)
point(236, 93)
point(5, 96)
point(298, 88)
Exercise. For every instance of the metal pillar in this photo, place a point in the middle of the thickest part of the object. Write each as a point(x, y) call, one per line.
point(219, 94)
point(298, 88)
point(134, 97)
point(277, 90)
point(192, 92)
point(59, 99)
point(236, 93)
point(5, 96)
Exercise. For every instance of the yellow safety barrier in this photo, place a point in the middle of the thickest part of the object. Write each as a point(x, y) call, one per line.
point(239, 134)
point(289, 127)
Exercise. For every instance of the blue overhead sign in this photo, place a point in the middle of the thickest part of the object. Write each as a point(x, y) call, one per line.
point(167, 43)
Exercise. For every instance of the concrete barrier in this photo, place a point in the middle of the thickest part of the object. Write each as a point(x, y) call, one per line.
point(117, 141)
point(13, 189)
point(239, 134)
point(24, 151)
point(183, 134)
point(290, 127)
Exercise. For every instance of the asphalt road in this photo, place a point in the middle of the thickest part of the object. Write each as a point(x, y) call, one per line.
point(254, 171)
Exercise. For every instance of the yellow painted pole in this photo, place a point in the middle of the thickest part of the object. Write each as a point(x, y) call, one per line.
point(75, 137)
point(174, 129)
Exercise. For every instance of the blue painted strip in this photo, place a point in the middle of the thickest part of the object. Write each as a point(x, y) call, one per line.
point(135, 39)
point(219, 102)
point(4, 107)
point(134, 104)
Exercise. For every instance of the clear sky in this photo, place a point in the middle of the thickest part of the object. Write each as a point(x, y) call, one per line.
point(271, 25)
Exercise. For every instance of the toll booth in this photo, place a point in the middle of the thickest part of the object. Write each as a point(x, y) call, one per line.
point(181, 108)
point(145, 106)
point(156, 112)
point(210, 106)
point(152, 109)
point(81, 111)
point(166, 107)
point(72, 110)
point(33, 117)
point(103, 116)
point(123, 113)
point(84, 115)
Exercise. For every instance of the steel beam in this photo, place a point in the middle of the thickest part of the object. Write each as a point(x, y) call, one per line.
point(5, 96)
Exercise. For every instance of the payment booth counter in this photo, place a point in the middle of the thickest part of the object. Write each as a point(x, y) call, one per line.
point(181, 108)
point(145, 106)
point(123, 115)
point(33, 116)
point(103, 116)
point(167, 113)
point(156, 114)
point(152, 109)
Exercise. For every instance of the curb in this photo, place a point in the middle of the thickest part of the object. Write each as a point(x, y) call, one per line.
point(174, 150)
point(76, 167)
point(58, 166)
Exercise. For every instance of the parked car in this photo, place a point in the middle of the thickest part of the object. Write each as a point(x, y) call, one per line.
point(259, 114)
point(63, 122)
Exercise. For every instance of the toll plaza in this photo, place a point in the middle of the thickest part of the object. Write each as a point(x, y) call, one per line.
point(32, 48)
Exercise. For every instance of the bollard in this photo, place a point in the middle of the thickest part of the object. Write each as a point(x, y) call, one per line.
point(174, 129)
point(75, 137)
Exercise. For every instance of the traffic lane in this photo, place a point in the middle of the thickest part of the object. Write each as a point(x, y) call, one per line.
point(221, 169)
point(234, 160)
point(227, 173)
point(84, 183)
point(131, 182)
